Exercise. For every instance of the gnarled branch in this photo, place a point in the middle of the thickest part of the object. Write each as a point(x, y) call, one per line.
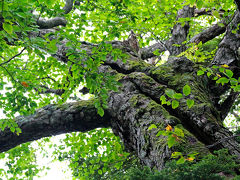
point(50, 23)
point(210, 33)
point(53, 120)
point(228, 48)
point(68, 6)
point(57, 21)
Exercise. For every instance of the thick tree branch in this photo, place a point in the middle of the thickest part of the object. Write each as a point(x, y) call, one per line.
point(179, 32)
point(227, 52)
point(179, 35)
point(55, 119)
point(58, 92)
point(203, 37)
point(68, 6)
point(50, 23)
point(227, 104)
point(147, 52)
point(203, 11)
point(210, 33)
point(57, 21)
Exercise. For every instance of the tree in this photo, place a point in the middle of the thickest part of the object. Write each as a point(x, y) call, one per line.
point(104, 47)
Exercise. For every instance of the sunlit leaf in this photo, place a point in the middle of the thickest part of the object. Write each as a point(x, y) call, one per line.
point(8, 27)
point(186, 90)
point(170, 92)
point(152, 126)
point(181, 160)
point(177, 95)
point(175, 104)
point(200, 72)
point(190, 103)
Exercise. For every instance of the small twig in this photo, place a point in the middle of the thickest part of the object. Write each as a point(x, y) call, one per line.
point(10, 74)
point(13, 57)
point(48, 77)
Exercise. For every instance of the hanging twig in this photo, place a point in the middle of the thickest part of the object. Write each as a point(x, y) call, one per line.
point(13, 57)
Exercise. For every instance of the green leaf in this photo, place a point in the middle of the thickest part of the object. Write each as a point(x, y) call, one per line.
point(171, 141)
point(193, 154)
point(104, 159)
point(186, 90)
point(170, 92)
point(118, 165)
point(178, 132)
point(164, 133)
point(222, 80)
point(200, 72)
point(221, 69)
point(163, 99)
point(233, 81)
point(1, 85)
point(216, 14)
point(236, 88)
point(181, 160)
point(175, 104)
point(229, 73)
point(209, 74)
point(192, 2)
point(8, 28)
point(176, 154)
point(156, 52)
point(190, 103)
point(152, 126)
point(199, 4)
point(12, 129)
point(100, 111)
point(177, 96)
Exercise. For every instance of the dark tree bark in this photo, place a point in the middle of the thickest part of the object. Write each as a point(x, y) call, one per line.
point(137, 104)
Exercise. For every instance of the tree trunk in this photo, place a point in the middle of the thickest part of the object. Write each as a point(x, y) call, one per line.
point(137, 105)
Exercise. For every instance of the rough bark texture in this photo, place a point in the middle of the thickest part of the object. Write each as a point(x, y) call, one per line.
point(136, 105)
point(55, 119)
